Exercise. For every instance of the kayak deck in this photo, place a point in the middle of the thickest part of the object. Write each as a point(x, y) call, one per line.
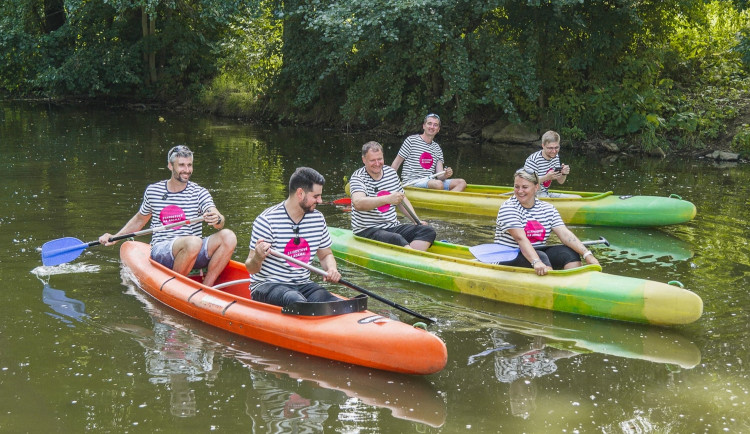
point(599, 209)
point(583, 290)
point(361, 338)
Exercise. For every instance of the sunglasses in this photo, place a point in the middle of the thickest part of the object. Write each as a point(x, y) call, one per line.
point(295, 228)
point(527, 171)
point(178, 149)
point(431, 115)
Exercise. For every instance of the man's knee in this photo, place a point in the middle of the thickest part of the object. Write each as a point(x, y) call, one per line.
point(188, 245)
point(228, 238)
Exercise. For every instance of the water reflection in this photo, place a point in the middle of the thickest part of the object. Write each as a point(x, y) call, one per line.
point(290, 392)
point(582, 334)
point(63, 305)
point(636, 244)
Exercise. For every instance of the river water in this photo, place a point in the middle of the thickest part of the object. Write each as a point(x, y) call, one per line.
point(82, 349)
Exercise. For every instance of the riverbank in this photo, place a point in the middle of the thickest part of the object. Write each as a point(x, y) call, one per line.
point(472, 132)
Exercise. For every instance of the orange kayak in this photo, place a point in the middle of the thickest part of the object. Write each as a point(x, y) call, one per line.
point(361, 338)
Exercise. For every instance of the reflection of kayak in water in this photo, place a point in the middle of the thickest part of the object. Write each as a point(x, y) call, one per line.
point(407, 397)
point(644, 245)
point(582, 334)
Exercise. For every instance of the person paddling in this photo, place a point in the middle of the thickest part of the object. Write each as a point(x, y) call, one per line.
point(376, 192)
point(525, 222)
point(182, 249)
point(295, 228)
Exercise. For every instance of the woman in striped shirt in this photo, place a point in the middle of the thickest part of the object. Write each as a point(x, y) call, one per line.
point(525, 222)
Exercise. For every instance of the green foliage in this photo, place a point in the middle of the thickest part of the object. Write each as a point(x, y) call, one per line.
point(100, 48)
point(741, 140)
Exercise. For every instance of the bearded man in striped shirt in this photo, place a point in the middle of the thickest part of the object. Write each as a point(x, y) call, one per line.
point(295, 228)
point(183, 248)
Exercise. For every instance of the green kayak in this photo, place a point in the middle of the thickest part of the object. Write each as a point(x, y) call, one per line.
point(584, 290)
point(598, 209)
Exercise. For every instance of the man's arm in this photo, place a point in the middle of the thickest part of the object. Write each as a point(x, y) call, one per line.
point(214, 218)
point(328, 263)
point(135, 224)
point(362, 202)
point(397, 162)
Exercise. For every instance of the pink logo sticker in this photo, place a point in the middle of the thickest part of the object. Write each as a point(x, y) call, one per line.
point(171, 214)
point(548, 182)
point(386, 207)
point(299, 251)
point(426, 160)
point(535, 232)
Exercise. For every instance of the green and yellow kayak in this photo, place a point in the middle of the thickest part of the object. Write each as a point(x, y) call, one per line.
point(584, 290)
point(598, 209)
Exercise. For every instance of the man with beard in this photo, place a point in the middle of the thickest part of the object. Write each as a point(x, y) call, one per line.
point(293, 227)
point(183, 248)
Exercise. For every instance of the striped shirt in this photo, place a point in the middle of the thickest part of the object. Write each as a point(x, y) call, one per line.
point(542, 166)
point(537, 222)
point(420, 158)
point(380, 217)
point(300, 241)
point(194, 201)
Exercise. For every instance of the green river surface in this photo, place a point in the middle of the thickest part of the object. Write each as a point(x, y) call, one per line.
point(83, 349)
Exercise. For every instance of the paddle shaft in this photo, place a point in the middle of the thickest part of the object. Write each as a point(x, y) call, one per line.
point(151, 230)
point(417, 181)
point(121, 237)
point(413, 182)
point(350, 285)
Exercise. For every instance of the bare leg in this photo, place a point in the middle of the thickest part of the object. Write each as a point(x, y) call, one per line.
point(420, 245)
point(220, 249)
point(185, 251)
point(458, 184)
point(572, 265)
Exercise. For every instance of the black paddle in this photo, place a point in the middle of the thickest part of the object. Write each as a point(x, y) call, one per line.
point(351, 285)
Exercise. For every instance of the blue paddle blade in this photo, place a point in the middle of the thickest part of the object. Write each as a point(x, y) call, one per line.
point(493, 253)
point(61, 250)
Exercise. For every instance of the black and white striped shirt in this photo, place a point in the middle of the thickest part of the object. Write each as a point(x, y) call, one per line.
point(383, 216)
point(542, 166)
point(537, 222)
point(300, 241)
point(194, 201)
point(420, 158)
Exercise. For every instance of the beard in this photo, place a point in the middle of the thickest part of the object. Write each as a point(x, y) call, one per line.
point(307, 207)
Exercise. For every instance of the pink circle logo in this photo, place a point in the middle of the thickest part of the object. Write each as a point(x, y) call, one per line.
point(535, 232)
point(386, 207)
point(426, 160)
point(299, 251)
point(548, 182)
point(171, 214)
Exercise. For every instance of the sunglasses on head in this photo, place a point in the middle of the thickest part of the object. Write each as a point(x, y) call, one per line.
point(177, 149)
point(528, 171)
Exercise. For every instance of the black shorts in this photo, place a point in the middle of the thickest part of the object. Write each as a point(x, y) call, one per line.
point(400, 235)
point(556, 257)
point(284, 294)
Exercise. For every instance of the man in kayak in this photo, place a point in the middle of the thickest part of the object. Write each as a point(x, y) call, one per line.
point(525, 222)
point(546, 164)
point(376, 191)
point(422, 158)
point(293, 227)
point(182, 249)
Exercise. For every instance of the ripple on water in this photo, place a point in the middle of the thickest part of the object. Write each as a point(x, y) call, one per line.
point(43, 271)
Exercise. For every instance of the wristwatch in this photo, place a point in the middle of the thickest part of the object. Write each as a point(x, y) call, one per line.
point(535, 261)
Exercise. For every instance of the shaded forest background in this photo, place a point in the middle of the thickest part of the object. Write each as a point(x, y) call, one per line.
point(671, 74)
